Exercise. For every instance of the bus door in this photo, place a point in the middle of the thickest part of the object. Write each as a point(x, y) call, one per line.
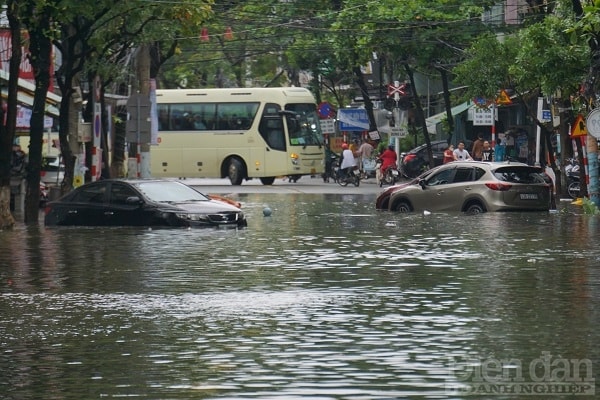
point(276, 159)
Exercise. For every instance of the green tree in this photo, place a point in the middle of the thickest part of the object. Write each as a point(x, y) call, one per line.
point(538, 60)
point(412, 36)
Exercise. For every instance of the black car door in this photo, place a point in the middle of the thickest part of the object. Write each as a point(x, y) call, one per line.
point(121, 210)
point(85, 207)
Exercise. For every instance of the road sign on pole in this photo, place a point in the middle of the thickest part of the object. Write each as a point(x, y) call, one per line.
point(138, 126)
point(593, 123)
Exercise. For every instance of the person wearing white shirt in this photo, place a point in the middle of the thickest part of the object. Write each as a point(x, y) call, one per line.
point(348, 161)
point(460, 154)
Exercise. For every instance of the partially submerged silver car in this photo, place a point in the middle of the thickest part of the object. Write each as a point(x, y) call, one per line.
point(472, 187)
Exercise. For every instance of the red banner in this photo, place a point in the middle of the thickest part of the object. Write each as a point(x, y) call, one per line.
point(25, 69)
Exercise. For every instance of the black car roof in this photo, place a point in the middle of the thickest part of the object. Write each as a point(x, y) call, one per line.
point(422, 146)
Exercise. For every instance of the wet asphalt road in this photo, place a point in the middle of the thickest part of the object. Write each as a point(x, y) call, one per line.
point(306, 184)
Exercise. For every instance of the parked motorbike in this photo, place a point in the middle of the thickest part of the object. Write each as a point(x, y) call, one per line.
point(351, 175)
point(573, 178)
point(330, 171)
point(390, 176)
point(573, 184)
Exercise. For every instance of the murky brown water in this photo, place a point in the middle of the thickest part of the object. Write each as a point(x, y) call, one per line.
point(325, 299)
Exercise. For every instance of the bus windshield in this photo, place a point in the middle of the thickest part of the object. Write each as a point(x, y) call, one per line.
point(303, 125)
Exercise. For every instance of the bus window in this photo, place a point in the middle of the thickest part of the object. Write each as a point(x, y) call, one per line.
point(303, 124)
point(235, 116)
point(163, 117)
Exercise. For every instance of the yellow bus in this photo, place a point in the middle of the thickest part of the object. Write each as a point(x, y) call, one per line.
point(238, 134)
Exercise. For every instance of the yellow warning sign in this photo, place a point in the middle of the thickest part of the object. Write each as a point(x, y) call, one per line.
point(579, 128)
point(503, 98)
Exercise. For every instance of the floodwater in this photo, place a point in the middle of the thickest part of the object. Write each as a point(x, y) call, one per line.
point(324, 299)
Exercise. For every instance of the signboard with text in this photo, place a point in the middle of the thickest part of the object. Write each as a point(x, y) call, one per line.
point(353, 119)
point(327, 126)
point(483, 116)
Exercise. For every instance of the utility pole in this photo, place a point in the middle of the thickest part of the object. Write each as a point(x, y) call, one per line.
point(138, 165)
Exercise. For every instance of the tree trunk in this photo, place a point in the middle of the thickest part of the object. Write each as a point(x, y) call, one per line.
point(67, 77)
point(420, 113)
point(40, 49)
point(360, 82)
point(7, 132)
point(447, 104)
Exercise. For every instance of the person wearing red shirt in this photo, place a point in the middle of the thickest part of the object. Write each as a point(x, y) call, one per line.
point(449, 154)
point(388, 159)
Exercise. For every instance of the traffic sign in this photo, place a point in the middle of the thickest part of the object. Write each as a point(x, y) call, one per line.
point(396, 89)
point(593, 123)
point(481, 101)
point(327, 126)
point(578, 128)
point(546, 116)
point(483, 116)
point(503, 98)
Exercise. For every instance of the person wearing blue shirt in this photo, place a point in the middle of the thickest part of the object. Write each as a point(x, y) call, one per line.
point(499, 151)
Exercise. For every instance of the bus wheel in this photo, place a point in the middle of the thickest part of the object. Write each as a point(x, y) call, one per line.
point(268, 180)
point(235, 171)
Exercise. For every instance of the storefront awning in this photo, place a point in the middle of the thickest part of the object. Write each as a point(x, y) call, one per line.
point(434, 120)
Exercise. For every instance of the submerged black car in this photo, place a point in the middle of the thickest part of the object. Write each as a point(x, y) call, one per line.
point(416, 161)
point(150, 203)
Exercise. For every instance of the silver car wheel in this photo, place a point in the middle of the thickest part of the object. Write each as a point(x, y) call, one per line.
point(402, 207)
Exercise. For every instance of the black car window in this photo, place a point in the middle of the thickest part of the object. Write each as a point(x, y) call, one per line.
point(441, 178)
point(439, 146)
point(519, 174)
point(119, 193)
point(463, 175)
point(91, 194)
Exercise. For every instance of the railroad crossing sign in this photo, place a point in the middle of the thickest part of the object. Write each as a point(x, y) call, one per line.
point(396, 88)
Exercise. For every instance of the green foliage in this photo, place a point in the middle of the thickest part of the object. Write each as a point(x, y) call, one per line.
point(547, 59)
point(589, 207)
point(486, 66)
point(543, 56)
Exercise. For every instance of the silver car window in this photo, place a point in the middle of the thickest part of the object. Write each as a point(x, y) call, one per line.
point(463, 175)
point(442, 177)
point(519, 174)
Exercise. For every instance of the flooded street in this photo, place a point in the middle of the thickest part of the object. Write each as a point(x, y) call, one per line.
point(324, 299)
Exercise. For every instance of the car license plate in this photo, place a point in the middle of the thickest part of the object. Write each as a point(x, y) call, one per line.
point(529, 196)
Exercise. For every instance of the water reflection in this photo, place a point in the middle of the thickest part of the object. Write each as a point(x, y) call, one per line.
point(324, 299)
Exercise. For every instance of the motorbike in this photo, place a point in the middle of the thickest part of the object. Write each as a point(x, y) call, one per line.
point(390, 176)
point(573, 184)
point(330, 169)
point(573, 179)
point(351, 175)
